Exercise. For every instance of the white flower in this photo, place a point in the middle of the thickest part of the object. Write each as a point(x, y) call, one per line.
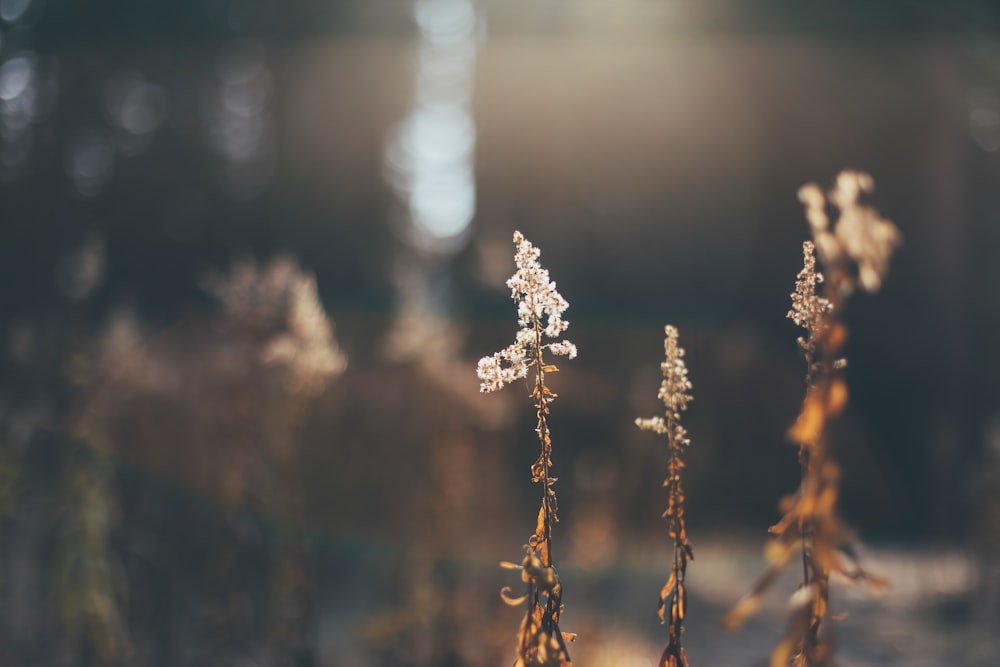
point(860, 232)
point(564, 349)
point(539, 313)
point(808, 309)
point(655, 424)
point(489, 372)
point(673, 391)
point(865, 236)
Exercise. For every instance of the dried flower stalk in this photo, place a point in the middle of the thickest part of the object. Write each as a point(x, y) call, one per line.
point(674, 394)
point(540, 642)
point(855, 253)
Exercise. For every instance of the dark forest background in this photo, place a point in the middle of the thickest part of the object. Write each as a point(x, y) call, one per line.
point(239, 417)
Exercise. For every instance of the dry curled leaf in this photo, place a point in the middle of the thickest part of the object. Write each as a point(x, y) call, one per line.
point(513, 602)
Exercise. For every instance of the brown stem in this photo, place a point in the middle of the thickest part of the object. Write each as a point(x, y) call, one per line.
point(675, 630)
point(543, 437)
point(814, 456)
point(804, 529)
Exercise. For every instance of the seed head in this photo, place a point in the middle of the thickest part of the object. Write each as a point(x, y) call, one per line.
point(673, 390)
point(539, 314)
point(809, 310)
point(860, 234)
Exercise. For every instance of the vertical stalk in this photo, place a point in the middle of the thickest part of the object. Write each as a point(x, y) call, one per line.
point(542, 407)
point(540, 642)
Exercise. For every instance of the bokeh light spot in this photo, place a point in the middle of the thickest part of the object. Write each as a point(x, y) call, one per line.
point(12, 10)
point(16, 75)
point(443, 202)
point(91, 162)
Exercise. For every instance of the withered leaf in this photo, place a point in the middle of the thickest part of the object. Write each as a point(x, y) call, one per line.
point(778, 552)
point(837, 398)
point(749, 603)
point(681, 601)
point(809, 426)
point(665, 592)
point(540, 524)
point(836, 336)
point(512, 601)
point(782, 652)
point(827, 501)
point(742, 610)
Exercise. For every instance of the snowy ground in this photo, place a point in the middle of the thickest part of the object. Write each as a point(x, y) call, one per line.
point(928, 618)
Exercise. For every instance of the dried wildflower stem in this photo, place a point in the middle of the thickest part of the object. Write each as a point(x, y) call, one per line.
point(540, 469)
point(540, 307)
point(674, 394)
point(855, 254)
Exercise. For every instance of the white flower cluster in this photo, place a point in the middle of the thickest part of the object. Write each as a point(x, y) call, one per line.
point(808, 309)
point(860, 233)
point(539, 313)
point(673, 390)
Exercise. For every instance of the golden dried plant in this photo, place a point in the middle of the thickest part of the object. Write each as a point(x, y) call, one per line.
point(674, 394)
point(854, 253)
point(540, 642)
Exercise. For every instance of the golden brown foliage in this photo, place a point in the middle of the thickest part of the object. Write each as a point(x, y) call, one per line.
point(854, 253)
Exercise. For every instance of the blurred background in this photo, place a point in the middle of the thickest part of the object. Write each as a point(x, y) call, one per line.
point(252, 250)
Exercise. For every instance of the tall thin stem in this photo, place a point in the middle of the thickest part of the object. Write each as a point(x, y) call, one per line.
point(674, 394)
point(540, 309)
point(855, 252)
point(542, 408)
